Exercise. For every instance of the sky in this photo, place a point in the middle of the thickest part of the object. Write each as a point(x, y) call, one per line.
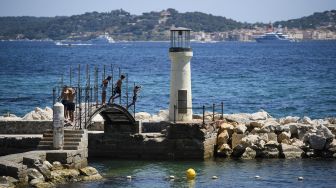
point(241, 10)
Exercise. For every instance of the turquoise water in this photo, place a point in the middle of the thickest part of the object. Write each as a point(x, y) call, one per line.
point(287, 79)
point(230, 173)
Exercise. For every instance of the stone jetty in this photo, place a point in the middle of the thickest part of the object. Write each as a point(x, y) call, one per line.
point(259, 135)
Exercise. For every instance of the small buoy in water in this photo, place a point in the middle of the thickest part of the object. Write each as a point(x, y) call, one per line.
point(214, 177)
point(300, 178)
point(129, 177)
point(171, 177)
point(257, 177)
point(191, 174)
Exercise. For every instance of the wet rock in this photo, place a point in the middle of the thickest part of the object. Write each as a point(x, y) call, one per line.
point(249, 153)
point(61, 176)
point(92, 177)
point(298, 143)
point(34, 174)
point(224, 150)
point(290, 152)
point(88, 171)
point(223, 138)
point(45, 185)
point(271, 150)
point(238, 150)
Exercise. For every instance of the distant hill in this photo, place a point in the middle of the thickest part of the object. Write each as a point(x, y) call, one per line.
point(319, 20)
point(148, 26)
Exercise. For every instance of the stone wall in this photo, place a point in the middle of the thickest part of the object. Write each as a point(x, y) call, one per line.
point(24, 127)
point(10, 145)
point(181, 141)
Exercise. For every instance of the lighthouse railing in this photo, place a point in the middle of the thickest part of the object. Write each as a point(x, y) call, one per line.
point(214, 109)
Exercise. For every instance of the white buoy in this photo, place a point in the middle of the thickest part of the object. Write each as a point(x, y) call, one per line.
point(300, 178)
point(214, 177)
point(257, 177)
point(129, 177)
point(171, 177)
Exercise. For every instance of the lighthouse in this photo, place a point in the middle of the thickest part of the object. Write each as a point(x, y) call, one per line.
point(180, 53)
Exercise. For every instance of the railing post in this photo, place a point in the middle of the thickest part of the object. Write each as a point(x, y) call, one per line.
point(174, 113)
point(80, 96)
point(134, 104)
point(203, 114)
point(222, 116)
point(54, 96)
point(213, 112)
point(120, 88)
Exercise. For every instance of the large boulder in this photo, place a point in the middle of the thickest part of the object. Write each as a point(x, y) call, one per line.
point(226, 126)
point(289, 151)
point(61, 176)
point(88, 171)
point(34, 174)
point(284, 137)
point(240, 129)
point(8, 182)
point(262, 115)
point(307, 120)
point(224, 150)
point(269, 125)
point(57, 165)
point(289, 119)
point(249, 153)
point(223, 138)
point(271, 150)
point(317, 141)
point(238, 150)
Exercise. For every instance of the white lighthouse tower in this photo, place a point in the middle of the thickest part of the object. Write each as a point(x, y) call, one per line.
point(180, 53)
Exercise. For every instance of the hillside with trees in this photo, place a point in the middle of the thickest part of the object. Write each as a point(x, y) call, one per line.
point(122, 25)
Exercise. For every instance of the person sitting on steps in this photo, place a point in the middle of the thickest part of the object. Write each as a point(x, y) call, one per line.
point(117, 89)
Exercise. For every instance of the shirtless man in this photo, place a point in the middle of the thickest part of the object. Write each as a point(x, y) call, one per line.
point(65, 100)
point(104, 88)
point(71, 105)
point(117, 89)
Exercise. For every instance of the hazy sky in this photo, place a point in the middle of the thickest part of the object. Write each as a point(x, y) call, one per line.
point(241, 10)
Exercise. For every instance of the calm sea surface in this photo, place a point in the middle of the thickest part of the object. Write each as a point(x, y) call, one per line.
point(230, 173)
point(287, 79)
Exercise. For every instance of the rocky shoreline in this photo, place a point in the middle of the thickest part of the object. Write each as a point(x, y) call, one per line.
point(43, 174)
point(259, 135)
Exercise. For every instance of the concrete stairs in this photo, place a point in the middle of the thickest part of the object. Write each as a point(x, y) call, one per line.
point(72, 140)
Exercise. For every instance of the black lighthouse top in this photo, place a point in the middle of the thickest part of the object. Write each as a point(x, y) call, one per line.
point(180, 39)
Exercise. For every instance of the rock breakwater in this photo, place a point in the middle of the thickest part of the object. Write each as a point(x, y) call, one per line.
point(259, 135)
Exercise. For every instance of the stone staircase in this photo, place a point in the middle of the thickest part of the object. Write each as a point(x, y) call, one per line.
point(73, 140)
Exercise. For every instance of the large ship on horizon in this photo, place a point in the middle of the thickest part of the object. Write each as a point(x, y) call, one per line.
point(273, 36)
point(100, 40)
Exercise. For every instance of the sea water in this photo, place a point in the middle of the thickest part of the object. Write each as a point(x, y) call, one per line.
point(284, 79)
point(288, 79)
point(230, 173)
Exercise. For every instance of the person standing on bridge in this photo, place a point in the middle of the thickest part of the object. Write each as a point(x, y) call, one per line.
point(135, 95)
point(117, 89)
point(104, 88)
